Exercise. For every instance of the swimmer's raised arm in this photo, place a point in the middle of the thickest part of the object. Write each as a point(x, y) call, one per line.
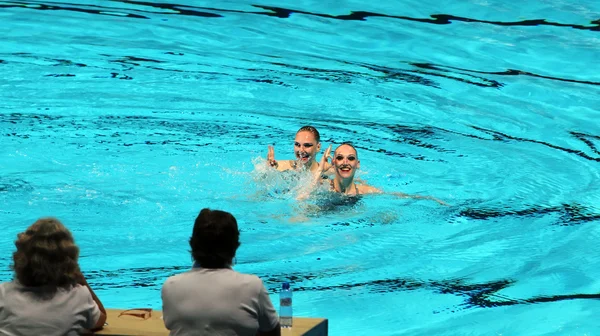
point(271, 157)
point(325, 168)
point(279, 165)
point(324, 164)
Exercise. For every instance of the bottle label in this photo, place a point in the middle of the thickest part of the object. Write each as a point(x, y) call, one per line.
point(286, 322)
point(285, 301)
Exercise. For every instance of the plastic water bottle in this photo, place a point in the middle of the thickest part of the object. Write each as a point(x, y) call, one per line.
point(285, 306)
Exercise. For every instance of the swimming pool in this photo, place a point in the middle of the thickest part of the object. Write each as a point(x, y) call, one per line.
point(125, 118)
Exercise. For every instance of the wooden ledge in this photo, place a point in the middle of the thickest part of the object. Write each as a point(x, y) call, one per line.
point(127, 325)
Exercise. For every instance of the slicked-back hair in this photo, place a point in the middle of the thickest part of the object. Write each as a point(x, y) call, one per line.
point(46, 255)
point(312, 130)
point(215, 239)
point(346, 144)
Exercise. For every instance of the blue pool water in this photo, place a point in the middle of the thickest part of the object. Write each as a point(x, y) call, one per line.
point(125, 118)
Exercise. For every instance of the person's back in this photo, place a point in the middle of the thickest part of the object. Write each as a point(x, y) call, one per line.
point(49, 295)
point(218, 301)
point(213, 299)
point(35, 311)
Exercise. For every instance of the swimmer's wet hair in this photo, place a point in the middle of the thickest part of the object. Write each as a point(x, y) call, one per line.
point(312, 130)
point(347, 143)
point(215, 239)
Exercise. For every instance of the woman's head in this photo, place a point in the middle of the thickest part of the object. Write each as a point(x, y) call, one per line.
point(46, 255)
point(215, 239)
point(345, 161)
point(306, 145)
point(312, 130)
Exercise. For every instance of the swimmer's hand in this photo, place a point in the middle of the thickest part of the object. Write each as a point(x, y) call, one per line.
point(271, 158)
point(323, 165)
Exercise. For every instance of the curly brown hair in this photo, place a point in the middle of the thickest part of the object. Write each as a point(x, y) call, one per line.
point(46, 255)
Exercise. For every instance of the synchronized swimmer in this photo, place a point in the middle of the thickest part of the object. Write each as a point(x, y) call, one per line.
point(307, 145)
point(339, 174)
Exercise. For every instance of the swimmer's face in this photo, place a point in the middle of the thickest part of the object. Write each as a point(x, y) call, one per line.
point(306, 147)
point(345, 162)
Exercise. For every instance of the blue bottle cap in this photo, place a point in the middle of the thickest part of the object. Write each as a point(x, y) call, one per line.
point(285, 285)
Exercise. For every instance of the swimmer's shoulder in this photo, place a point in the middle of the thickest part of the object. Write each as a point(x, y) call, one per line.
point(367, 189)
point(284, 165)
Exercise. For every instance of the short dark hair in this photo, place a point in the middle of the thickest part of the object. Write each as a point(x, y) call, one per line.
point(46, 255)
point(347, 143)
point(312, 130)
point(215, 238)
